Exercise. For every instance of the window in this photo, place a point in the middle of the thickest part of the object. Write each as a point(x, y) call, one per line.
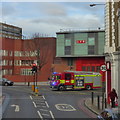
point(10, 62)
point(93, 68)
point(4, 62)
point(67, 42)
point(67, 76)
point(83, 68)
point(70, 61)
point(4, 52)
point(26, 72)
point(91, 50)
point(88, 68)
point(10, 53)
point(67, 50)
point(97, 68)
point(91, 41)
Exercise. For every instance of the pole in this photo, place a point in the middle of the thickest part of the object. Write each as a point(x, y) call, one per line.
point(92, 96)
point(98, 101)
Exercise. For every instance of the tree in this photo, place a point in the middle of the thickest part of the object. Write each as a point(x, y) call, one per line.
point(39, 49)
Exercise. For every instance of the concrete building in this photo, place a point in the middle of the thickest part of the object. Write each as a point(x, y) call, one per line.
point(10, 31)
point(80, 50)
point(112, 46)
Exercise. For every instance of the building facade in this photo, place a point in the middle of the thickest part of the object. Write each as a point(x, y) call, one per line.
point(16, 59)
point(112, 46)
point(10, 31)
point(80, 50)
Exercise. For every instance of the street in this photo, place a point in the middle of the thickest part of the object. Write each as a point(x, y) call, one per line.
point(21, 103)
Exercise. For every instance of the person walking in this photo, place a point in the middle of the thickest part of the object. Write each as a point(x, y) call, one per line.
point(112, 95)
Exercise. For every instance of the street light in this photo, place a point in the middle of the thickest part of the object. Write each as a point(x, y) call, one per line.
point(92, 5)
point(103, 85)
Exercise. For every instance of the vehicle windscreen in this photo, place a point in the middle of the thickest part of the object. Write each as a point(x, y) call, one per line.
point(56, 77)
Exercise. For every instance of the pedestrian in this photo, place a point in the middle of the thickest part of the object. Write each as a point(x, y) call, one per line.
point(113, 95)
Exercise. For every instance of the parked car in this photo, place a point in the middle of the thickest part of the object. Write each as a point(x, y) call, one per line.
point(108, 114)
point(6, 82)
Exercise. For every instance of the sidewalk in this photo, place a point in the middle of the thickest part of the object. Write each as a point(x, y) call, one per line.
point(31, 83)
point(94, 107)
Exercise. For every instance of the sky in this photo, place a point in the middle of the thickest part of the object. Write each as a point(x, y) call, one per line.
point(47, 18)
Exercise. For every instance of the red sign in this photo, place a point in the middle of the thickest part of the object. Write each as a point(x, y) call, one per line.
point(80, 41)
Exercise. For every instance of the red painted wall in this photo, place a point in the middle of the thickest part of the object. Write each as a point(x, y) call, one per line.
point(90, 61)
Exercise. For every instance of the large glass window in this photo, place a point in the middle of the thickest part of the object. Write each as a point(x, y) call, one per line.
point(67, 42)
point(91, 41)
point(67, 50)
point(91, 50)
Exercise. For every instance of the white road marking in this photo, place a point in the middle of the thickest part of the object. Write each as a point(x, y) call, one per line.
point(17, 108)
point(45, 114)
point(46, 104)
point(40, 115)
point(52, 115)
point(31, 97)
point(43, 110)
point(65, 107)
point(43, 97)
point(34, 104)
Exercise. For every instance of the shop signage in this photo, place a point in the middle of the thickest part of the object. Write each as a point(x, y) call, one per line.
point(80, 41)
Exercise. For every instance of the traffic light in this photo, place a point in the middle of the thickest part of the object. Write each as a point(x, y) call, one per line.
point(34, 68)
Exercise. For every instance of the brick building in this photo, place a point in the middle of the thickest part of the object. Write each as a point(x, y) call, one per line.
point(16, 60)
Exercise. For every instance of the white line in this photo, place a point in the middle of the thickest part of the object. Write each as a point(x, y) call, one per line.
point(43, 110)
point(40, 115)
point(31, 97)
point(46, 104)
point(45, 114)
point(52, 115)
point(43, 97)
point(34, 104)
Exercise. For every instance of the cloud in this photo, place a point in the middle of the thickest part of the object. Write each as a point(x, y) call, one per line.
point(49, 18)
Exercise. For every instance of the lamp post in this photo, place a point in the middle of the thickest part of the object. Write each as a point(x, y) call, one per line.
point(103, 84)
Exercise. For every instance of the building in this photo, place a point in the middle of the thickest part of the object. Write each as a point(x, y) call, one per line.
point(10, 31)
point(80, 50)
point(17, 57)
point(112, 46)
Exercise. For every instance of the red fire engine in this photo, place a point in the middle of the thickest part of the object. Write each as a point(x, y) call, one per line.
point(76, 80)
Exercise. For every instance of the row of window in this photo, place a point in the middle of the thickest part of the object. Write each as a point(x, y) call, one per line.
point(6, 72)
point(8, 36)
point(26, 72)
point(91, 68)
point(9, 72)
point(16, 62)
point(18, 53)
point(91, 50)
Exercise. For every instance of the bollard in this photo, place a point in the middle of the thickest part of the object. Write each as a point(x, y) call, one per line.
point(33, 88)
point(92, 97)
point(36, 91)
point(28, 83)
point(105, 103)
point(98, 102)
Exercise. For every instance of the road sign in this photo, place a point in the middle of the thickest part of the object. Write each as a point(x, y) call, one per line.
point(103, 68)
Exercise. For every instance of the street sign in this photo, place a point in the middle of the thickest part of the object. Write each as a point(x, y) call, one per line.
point(103, 68)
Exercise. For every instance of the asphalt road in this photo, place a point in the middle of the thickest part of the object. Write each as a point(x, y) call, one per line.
point(21, 103)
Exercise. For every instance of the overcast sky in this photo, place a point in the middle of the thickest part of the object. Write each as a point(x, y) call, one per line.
point(47, 18)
